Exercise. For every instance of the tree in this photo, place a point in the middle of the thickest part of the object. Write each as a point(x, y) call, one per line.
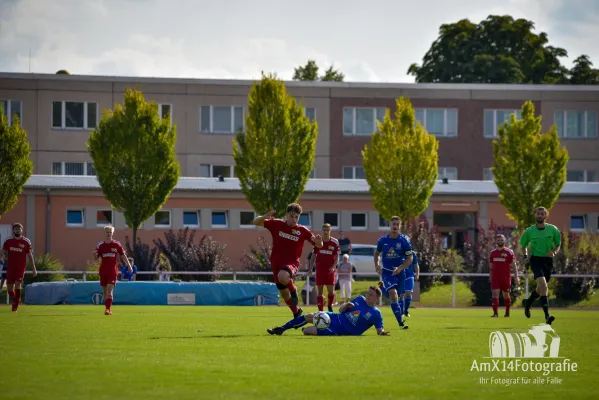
point(133, 150)
point(583, 73)
point(309, 72)
point(401, 164)
point(275, 155)
point(15, 165)
point(530, 166)
point(499, 49)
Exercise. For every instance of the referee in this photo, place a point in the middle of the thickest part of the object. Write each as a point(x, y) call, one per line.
point(545, 241)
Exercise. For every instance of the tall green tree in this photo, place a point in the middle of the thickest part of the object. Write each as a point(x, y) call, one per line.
point(583, 73)
point(529, 166)
point(309, 72)
point(275, 155)
point(500, 49)
point(15, 165)
point(401, 164)
point(133, 150)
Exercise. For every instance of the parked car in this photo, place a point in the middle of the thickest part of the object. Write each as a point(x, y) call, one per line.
point(362, 257)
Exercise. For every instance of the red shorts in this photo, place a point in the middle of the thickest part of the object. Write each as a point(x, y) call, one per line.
point(292, 269)
point(502, 282)
point(325, 278)
point(108, 277)
point(14, 275)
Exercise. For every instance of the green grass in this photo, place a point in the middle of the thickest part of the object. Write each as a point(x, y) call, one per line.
point(75, 352)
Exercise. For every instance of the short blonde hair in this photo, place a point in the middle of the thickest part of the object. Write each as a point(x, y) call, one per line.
point(345, 256)
point(109, 228)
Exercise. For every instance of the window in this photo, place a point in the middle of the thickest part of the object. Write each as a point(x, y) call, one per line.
point(354, 173)
point(332, 219)
point(75, 218)
point(221, 119)
point(438, 121)
point(576, 123)
point(74, 115)
point(578, 223)
point(494, 118)
point(73, 168)
point(487, 174)
point(310, 113)
point(581, 176)
point(165, 111)
point(219, 219)
point(362, 121)
point(191, 219)
point(213, 171)
point(450, 173)
point(363, 251)
point(103, 217)
point(305, 219)
point(11, 108)
point(246, 219)
point(313, 173)
point(358, 221)
point(162, 219)
point(383, 223)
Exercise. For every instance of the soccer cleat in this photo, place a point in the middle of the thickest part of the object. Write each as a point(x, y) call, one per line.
point(381, 285)
point(507, 314)
point(107, 312)
point(526, 308)
point(298, 313)
point(406, 314)
point(550, 319)
point(294, 299)
point(403, 325)
point(276, 331)
point(495, 316)
point(330, 308)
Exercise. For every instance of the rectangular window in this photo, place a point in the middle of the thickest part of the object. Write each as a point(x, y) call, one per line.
point(103, 217)
point(75, 218)
point(487, 174)
point(74, 115)
point(219, 219)
point(246, 219)
point(90, 169)
point(305, 220)
point(577, 124)
point(450, 173)
point(362, 121)
point(191, 219)
point(10, 109)
point(383, 223)
point(495, 118)
point(310, 113)
point(438, 121)
point(581, 176)
point(213, 171)
point(578, 223)
point(162, 219)
point(221, 119)
point(165, 112)
point(73, 168)
point(332, 219)
point(313, 174)
point(57, 168)
point(354, 173)
point(358, 221)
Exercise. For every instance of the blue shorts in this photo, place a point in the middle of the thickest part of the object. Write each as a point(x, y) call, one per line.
point(396, 282)
point(335, 329)
point(409, 284)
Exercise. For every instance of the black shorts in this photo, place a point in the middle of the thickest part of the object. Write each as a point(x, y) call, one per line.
point(541, 267)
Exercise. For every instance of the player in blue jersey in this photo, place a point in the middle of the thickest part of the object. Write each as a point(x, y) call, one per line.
point(395, 250)
point(353, 319)
point(411, 271)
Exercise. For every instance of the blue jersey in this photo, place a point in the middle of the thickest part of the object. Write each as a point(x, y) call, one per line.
point(361, 317)
point(393, 251)
point(126, 275)
point(410, 269)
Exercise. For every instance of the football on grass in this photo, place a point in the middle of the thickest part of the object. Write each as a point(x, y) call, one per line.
point(321, 320)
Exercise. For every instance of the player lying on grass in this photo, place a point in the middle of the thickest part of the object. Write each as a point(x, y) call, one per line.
point(353, 319)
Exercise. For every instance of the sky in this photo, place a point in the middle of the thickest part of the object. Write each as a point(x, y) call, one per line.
point(368, 40)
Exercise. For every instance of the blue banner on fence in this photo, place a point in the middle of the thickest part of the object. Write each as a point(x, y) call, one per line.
point(155, 293)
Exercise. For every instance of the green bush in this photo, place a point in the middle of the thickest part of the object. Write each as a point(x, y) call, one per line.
point(144, 258)
point(428, 245)
point(45, 263)
point(257, 259)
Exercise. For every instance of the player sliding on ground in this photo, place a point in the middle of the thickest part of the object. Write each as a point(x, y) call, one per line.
point(326, 260)
point(288, 239)
point(17, 248)
point(108, 251)
point(501, 260)
point(353, 319)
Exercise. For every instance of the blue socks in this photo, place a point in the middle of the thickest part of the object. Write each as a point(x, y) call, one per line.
point(407, 301)
point(295, 323)
point(396, 307)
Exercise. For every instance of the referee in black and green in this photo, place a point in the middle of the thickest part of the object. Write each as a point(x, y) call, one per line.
point(544, 240)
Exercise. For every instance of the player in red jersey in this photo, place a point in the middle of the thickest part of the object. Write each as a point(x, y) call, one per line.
point(288, 239)
point(325, 259)
point(501, 260)
point(17, 248)
point(109, 251)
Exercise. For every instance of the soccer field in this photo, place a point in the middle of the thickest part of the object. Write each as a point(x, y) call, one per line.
point(178, 352)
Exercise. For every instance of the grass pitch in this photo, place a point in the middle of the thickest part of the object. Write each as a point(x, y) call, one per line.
point(75, 352)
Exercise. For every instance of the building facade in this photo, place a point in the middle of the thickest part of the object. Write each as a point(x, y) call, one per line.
point(59, 111)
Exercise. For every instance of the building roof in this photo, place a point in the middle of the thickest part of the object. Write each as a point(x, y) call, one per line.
point(316, 84)
point(314, 185)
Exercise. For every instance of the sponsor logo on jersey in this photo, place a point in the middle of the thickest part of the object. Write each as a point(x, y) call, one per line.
point(17, 249)
point(288, 236)
point(108, 255)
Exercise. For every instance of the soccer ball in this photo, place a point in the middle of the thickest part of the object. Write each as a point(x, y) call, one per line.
point(321, 320)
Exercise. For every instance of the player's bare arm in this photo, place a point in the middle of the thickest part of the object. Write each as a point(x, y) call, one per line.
point(1, 254)
point(377, 267)
point(554, 252)
point(311, 264)
point(382, 332)
point(417, 271)
point(126, 261)
point(33, 269)
point(259, 221)
point(335, 263)
point(403, 266)
point(346, 307)
point(514, 267)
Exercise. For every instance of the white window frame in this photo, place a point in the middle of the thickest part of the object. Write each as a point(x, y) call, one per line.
point(71, 225)
point(164, 226)
point(374, 126)
point(353, 167)
point(211, 130)
point(495, 124)
point(584, 221)
point(333, 227)
point(197, 213)
point(585, 175)
point(313, 173)
point(445, 110)
point(9, 110)
point(310, 108)
point(171, 111)
point(309, 214)
point(250, 226)
point(444, 170)
point(383, 227)
point(359, 228)
point(488, 171)
point(226, 225)
point(586, 134)
point(211, 170)
point(98, 224)
point(63, 117)
point(63, 167)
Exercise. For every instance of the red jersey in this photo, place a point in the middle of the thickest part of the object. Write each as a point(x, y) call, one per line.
point(325, 257)
point(108, 253)
point(287, 242)
point(500, 260)
point(17, 250)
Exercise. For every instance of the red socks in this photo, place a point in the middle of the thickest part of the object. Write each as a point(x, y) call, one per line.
point(16, 298)
point(320, 303)
point(291, 307)
point(495, 302)
point(291, 286)
point(108, 303)
point(508, 303)
point(331, 300)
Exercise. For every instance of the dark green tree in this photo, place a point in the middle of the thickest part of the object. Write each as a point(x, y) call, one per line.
point(15, 165)
point(133, 150)
point(583, 73)
point(275, 155)
point(309, 72)
point(500, 49)
point(530, 166)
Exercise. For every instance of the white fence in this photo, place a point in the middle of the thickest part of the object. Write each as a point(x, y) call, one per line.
point(237, 274)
